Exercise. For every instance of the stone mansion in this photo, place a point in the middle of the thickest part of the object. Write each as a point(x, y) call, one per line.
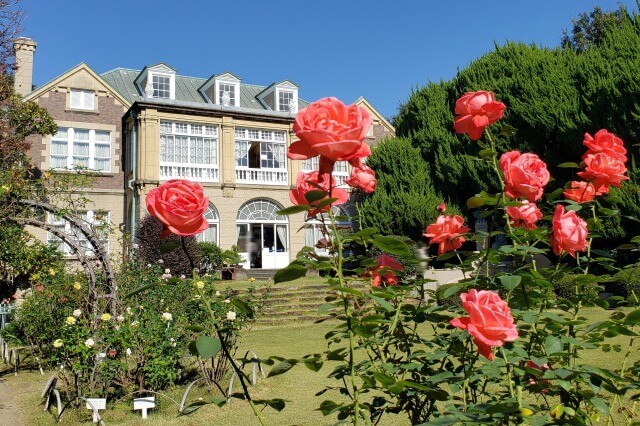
point(137, 128)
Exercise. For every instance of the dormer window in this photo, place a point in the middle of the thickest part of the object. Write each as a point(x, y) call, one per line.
point(222, 89)
point(161, 86)
point(157, 81)
point(227, 94)
point(285, 100)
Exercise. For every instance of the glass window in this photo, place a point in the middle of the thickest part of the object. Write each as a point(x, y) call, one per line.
point(81, 99)
point(161, 86)
point(284, 99)
point(189, 146)
point(259, 149)
point(228, 89)
point(97, 221)
point(85, 148)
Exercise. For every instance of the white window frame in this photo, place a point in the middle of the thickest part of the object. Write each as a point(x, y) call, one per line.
point(341, 169)
point(172, 83)
point(86, 99)
point(277, 98)
point(92, 142)
point(192, 133)
point(213, 219)
point(236, 88)
point(89, 218)
point(245, 138)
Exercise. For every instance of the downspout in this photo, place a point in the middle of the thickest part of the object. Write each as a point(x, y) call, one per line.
point(134, 171)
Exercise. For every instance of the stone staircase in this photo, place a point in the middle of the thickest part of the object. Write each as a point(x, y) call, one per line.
point(296, 303)
point(260, 274)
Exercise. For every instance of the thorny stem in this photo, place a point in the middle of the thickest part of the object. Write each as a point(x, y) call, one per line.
point(347, 312)
point(225, 350)
point(509, 372)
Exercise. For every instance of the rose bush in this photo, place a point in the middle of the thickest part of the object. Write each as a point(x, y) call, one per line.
point(475, 111)
point(569, 232)
point(525, 175)
point(447, 232)
point(525, 215)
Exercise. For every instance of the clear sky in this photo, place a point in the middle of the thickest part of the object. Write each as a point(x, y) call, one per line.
point(381, 50)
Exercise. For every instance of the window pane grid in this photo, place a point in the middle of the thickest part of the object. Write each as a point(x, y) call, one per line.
point(87, 148)
point(161, 86)
point(186, 148)
point(272, 148)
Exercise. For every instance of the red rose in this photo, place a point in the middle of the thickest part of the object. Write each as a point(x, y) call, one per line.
point(330, 128)
point(447, 232)
point(384, 271)
point(315, 181)
point(580, 192)
point(475, 111)
point(489, 321)
point(524, 216)
point(179, 204)
point(525, 175)
point(363, 178)
point(606, 143)
point(603, 171)
point(569, 232)
point(442, 207)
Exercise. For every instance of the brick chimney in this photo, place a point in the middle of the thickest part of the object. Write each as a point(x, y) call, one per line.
point(24, 49)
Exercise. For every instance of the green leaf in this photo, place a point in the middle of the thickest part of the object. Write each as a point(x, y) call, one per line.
point(380, 301)
point(192, 407)
point(509, 282)
point(290, 273)
point(487, 153)
point(328, 407)
point(277, 404)
point(243, 307)
point(325, 202)
point(207, 346)
point(293, 210)
point(574, 207)
point(632, 318)
point(140, 290)
point(282, 367)
point(555, 194)
point(600, 405)
point(507, 130)
point(196, 328)
point(313, 196)
point(391, 245)
point(569, 165)
point(167, 247)
point(475, 202)
point(450, 291)
point(553, 345)
point(325, 307)
point(314, 364)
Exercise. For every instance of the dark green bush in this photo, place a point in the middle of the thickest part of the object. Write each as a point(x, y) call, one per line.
point(569, 286)
point(626, 283)
point(211, 257)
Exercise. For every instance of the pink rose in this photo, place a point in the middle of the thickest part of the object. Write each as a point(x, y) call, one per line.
point(606, 143)
point(330, 128)
point(525, 175)
point(489, 321)
point(569, 232)
point(442, 207)
point(524, 216)
point(603, 171)
point(384, 271)
point(475, 111)
point(179, 204)
point(363, 178)
point(315, 181)
point(580, 192)
point(447, 233)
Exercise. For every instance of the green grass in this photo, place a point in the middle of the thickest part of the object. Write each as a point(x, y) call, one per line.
point(298, 386)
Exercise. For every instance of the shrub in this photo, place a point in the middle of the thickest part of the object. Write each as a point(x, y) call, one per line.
point(626, 283)
point(450, 302)
point(565, 286)
point(152, 248)
point(211, 257)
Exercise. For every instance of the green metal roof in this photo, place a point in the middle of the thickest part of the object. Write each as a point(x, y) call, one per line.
point(122, 80)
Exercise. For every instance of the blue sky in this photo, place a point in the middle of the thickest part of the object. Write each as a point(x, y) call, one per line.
point(347, 48)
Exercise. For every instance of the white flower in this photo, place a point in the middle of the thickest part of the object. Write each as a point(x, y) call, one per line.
point(128, 351)
point(160, 261)
point(77, 313)
point(167, 271)
point(89, 342)
point(128, 310)
point(217, 293)
point(182, 276)
point(135, 323)
point(231, 316)
point(57, 343)
point(173, 342)
point(135, 246)
point(120, 318)
point(148, 265)
point(166, 316)
point(101, 356)
point(227, 301)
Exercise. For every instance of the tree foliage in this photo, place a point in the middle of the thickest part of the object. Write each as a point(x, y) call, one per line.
point(553, 97)
point(405, 200)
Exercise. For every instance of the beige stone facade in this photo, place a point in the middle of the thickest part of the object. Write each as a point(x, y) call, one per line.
point(159, 125)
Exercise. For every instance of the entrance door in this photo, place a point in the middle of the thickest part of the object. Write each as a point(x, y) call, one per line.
point(263, 235)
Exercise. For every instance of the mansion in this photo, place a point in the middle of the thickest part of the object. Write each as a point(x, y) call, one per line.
point(135, 129)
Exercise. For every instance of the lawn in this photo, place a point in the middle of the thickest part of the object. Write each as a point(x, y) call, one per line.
point(298, 386)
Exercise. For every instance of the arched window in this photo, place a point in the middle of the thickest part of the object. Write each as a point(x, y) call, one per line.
point(262, 234)
point(211, 234)
point(314, 228)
